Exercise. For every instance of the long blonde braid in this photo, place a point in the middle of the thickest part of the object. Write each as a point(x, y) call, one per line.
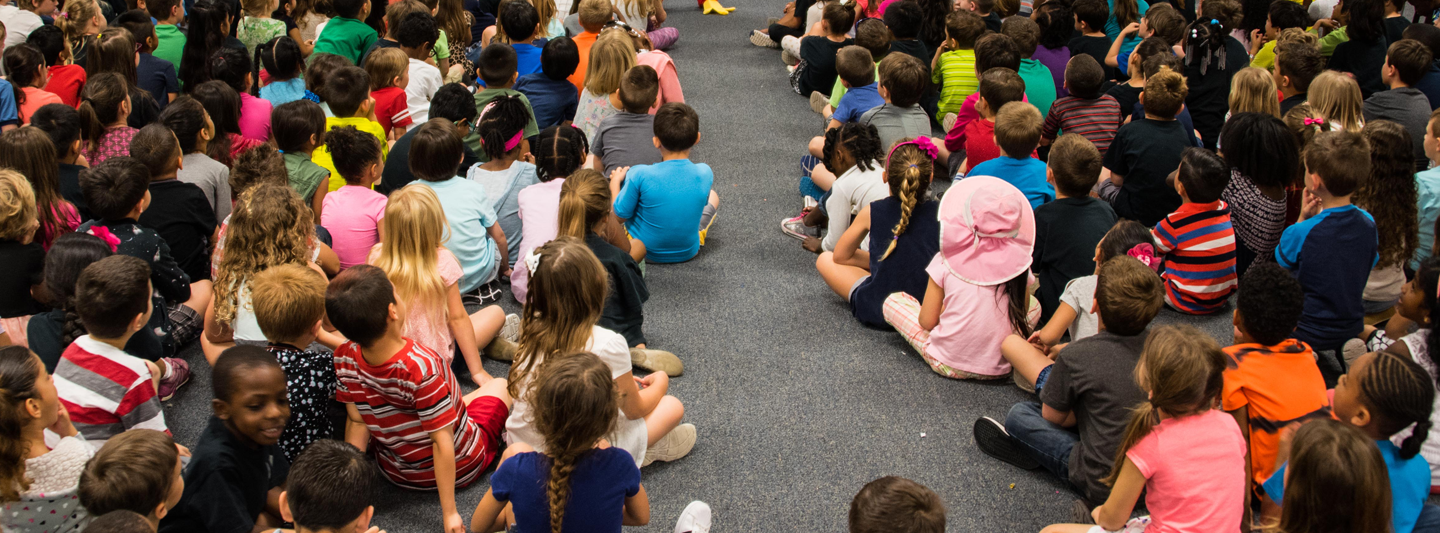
point(909, 170)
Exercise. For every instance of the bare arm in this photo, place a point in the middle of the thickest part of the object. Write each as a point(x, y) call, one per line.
point(1242, 417)
point(1112, 58)
point(847, 250)
point(217, 336)
point(486, 514)
point(442, 444)
point(1116, 511)
point(637, 507)
point(317, 201)
point(503, 247)
point(636, 403)
point(356, 434)
point(659, 12)
point(933, 305)
point(328, 262)
point(1059, 322)
point(1055, 416)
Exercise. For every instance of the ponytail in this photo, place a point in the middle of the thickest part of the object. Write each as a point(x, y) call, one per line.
point(499, 123)
point(1016, 291)
point(1126, 12)
point(584, 202)
point(22, 61)
point(19, 370)
point(1143, 420)
point(100, 105)
point(909, 170)
point(1399, 392)
point(575, 404)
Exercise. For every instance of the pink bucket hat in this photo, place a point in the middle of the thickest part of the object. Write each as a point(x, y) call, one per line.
point(987, 230)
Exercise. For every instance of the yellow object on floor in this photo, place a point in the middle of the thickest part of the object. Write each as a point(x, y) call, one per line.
point(713, 7)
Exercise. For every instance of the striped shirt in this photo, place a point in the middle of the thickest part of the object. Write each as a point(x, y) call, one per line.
point(1200, 262)
point(402, 401)
point(106, 391)
point(1095, 119)
point(956, 74)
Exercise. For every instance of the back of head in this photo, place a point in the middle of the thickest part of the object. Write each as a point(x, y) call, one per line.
point(860, 140)
point(1128, 294)
point(385, 67)
point(357, 303)
point(1075, 163)
point(186, 117)
point(269, 226)
point(114, 187)
point(1399, 393)
point(348, 8)
point(1427, 34)
point(288, 300)
point(1261, 148)
point(1336, 480)
point(453, 102)
point(962, 26)
point(1057, 24)
point(122, 521)
point(1000, 86)
point(1410, 59)
point(677, 126)
point(206, 19)
point(66, 260)
point(310, 488)
point(1389, 193)
point(895, 504)
point(610, 59)
point(50, 40)
point(1252, 90)
point(1151, 49)
point(114, 51)
point(1166, 22)
point(594, 14)
point(354, 151)
point(1182, 368)
point(559, 151)
point(1084, 76)
point(417, 30)
point(996, 50)
point(568, 286)
point(1341, 159)
point(1025, 33)
point(281, 58)
point(904, 78)
point(295, 123)
point(155, 146)
point(436, 151)
point(160, 9)
point(222, 104)
point(838, 18)
point(501, 125)
point(100, 103)
point(259, 165)
point(346, 89)
point(1093, 13)
point(1017, 129)
point(872, 35)
point(639, 88)
point(1203, 174)
point(903, 19)
point(1365, 20)
point(1336, 97)
point(22, 68)
point(17, 206)
point(138, 23)
point(321, 66)
point(31, 155)
point(1165, 93)
point(111, 293)
point(1300, 62)
point(134, 471)
point(559, 58)
point(1285, 16)
point(397, 11)
point(584, 202)
point(1269, 303)
point(61, 122)
point(575, 400)
point(855, 65)
point(497, 64)
point(520, 20)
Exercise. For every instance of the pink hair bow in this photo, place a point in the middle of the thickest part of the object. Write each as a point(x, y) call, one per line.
point(1314, 121)
point(104, 234)
point(1145, 253)
point(923, 143)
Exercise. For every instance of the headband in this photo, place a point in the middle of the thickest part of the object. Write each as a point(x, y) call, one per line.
point(510, 144)
point(922, 142)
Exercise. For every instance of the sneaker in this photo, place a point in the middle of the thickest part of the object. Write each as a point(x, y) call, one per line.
point(1080, 513)
point(789, 58)
point(811, 203)
point(1352, 350)
point(501, 349)
point(179, 375)
point(694, 519)
point(511, 330)
point(795, 227)
point(949, 121)
point(991, 438)
point(657, 361)
point(672, 446)
point(762, 40)
point(818, 101)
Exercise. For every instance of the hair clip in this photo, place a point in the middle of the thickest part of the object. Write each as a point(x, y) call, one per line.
point(1310, 121)
point(922, 142)
point(103, 233)
point(64, 14)
point(1145, 253)
point(1215, 21)
point(532, 261)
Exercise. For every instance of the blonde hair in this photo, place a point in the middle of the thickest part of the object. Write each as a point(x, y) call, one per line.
point(546, 9)
point(270, 226)
point(255, 8)
point(1297, 35)
point(288, 300)
point(1336, 97)
point(1252, 90)
point(384, 65)
point(414, 230)
point(76, 18)
point(567, 295)
point(633, 6)
point(611, 56)
point(17, 205)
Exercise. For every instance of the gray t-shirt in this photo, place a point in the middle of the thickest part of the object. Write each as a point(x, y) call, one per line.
point(1093, 378)
point(894, 123)
point(1408, 107)
point(213, 178)
point(625, 140)
point(1080, 296)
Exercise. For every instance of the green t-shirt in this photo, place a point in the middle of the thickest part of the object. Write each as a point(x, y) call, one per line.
point(305, 175)
point(1039, 85)
point(170, 44)
point(484, 97)
point(347, 38)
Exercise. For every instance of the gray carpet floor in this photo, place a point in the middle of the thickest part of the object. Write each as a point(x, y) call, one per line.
point(797, 405)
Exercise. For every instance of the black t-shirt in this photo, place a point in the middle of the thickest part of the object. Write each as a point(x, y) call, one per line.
point(992, 22)
point(1290, 102)
point(396, 174)
point(1395, 29)
point(182, 216)
point(1363, 60)
point(69, 176)
point(225, 484)
point(1209, 97)
point(1128, 97)
point(1144, 152)
point(143, 109)
point(1066, 232)
point(21, 266)
point(818, 53)
point(624, 311)
point(1096, 47)
point(912, 48)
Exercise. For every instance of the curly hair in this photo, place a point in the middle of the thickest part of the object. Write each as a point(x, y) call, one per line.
point(861, 141)
point(1390, 194)
point(270, 226)
point(1269, 303)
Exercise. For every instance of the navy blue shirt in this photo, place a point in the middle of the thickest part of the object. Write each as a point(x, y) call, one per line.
point(554, 101)
point(1331, 254)
point(1430, 85)
point(158, 77)
point(601, 481)
point(904, 270)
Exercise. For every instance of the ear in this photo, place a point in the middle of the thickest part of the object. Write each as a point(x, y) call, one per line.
point(1361, 418)
point(656, 141)
point(1142, 97)
point(362, 523)
point(138, 323)
point(220, 408)
point(285, 513)
point(314, 140)
point(75, 146)
point(1236, 321)
point(1049, 175)
point(698, 135)
point(516, 75)
point(161, 511)
point(33, 407)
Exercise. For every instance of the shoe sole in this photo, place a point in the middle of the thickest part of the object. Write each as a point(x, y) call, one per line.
point(176, 389)
point(763, 41)
point(818, 102)
point(640, 357)
point(992, 439)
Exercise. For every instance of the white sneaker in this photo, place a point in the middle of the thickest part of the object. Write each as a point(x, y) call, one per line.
point(694, 519)
point(672, 446)
point(949, 121)
point(511, 330)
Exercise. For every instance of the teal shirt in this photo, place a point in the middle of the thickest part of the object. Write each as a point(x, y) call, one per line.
point(170, 44)
point(1039, 85)
point(348, 38)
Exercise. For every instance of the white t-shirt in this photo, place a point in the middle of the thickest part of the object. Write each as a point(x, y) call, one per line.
point(852, 191)
point(1430, 450)
point(630, 435)
point(18, 24)
point(1080, 295)
point(637, 16)
point(425, 79)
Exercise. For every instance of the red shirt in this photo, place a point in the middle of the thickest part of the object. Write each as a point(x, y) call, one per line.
point(66, 82)
point(1199, 246)
point(390, 108)
point(980, 142)
point(402, 401)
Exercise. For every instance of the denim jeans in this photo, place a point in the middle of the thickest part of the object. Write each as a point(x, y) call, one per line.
point(1429, 521)
point(1048, 443)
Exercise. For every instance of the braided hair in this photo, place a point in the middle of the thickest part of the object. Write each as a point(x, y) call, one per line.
point(67, 258)
point(861, 141)
point(559, 152)
point(575, 405)
point(909, 175)
point(499, 121)
point(1427, 281)
point(1398, 392)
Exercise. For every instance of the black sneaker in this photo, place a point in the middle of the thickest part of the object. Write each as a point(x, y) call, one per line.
point(992, 439)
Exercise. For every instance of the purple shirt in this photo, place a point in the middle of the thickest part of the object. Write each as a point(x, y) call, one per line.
point(254, 117)
point(1055, 59)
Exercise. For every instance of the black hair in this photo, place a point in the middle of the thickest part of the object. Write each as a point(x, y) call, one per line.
point(559, 152)
point(1286, 14)
point(1254, 13)
point(677, 126)
point(860, 140)
point(67, 258)
point(1366, 20)
point(1094, 13)
point(1123, 236)
point(1427, 34)
point(436, 150)
point(61, 122)
point(1057, 24)
point(504, 117)
point(232, 66)
point(348, 8)
point(346, 90)
point(295, 122)
point(1205, 42)
point(137, 22)
point(357, 303)
point(155, 146)
point(1399, 392)
point(1203, 174)
point(454, 102)
point(160, 9)
point(114, 187)
point(496, 65)
point(559, 58)
point(50, 40)
point(206, 18)
point(1262, 148)
point(238, 361)
point(1427, 280)
point(21, 61)
point(996, 50)
point(186, 117)
point(223, 105)
point(1269, 302)
point(904, 19)
point(111, 293)
point(416, 30)
point(281, 58)
point(353, 150)
point(314, 476)
point(519, 20)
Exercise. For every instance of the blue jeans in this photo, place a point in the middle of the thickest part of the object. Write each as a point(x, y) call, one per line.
point(1429, 521)
point(1048, 443)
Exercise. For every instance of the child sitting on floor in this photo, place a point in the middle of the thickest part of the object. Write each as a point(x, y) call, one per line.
point(104, 109)
point(310, 499)
point(1068, 229)
point(1344, 474)
point(953, 67)
point(902, 86)
point(179, 211)
point(290, 308)
point(626, 138)
point(816, 52)
point(299, 130)
point(559, 153)
point(894, 503)
point(854, 150)
point(552, 98)
point(282, 61)
point(137, 471)
point(388, 69)
point(1197, 239)
point(501, 126)
point(1085, 111)
point(586, 212)
point(39, 477)
point(856, 69)
point(998, 87)
point(1418, 305)
point(1017, 134)
point(475, 238)
point(347, 93)
point(668, 207)
point(192, 125)
point(1076, 312)
point(353, 212)
point(1145, 151)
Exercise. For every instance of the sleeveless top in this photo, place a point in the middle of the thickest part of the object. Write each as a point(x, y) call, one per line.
point(904, 270)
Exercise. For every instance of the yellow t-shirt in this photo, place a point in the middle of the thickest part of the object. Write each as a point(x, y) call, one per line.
point(321, 156)
point(1265, 58)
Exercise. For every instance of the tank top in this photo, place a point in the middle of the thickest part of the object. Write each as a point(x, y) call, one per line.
point(904, 270)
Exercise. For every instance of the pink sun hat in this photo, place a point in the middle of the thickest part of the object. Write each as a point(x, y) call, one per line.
point(987, 230)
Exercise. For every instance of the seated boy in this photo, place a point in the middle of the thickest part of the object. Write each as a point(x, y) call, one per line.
point(818, 52)
point(902, 85)
point(1266, 310)
point(417, 34)
point(1085, 111)
point(346, 35)
point(1279, 17)
point(552, 98)
point(1336, 163)
point(1086, 392)
point(895, 504)
point(289, 304)
point(627, 138)
point(1296, 65)
point(592, 15)
point(991, 51)
point(1090, 19)
point(65, 78)
point(954, 67)
point(667, 207)
point(169, 40)
point(136, 471)
point(1197, 240)
point(428, 434)
point(1427, 184)
point(155, 75)
point(1068, 229)
point(520, 26)
point(105, 390)
point(310, 500)
point(1405, 62)
point(904, 25)
point(453, 102)
point(871, 35)
point(178, 211)
point(856, 69)
point(347, 91)
point(1039, 82)
point(1145, 151)
point(998, 86)
point(497, 69)
point(1017, 133)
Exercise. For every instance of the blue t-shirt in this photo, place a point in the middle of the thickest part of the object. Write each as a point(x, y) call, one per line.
point(1331, 254)
point(157, 76)
point(554, 101)
point(857, 101)
point(1427, 183)
point(1409, 485)
point(601, 481)
point(1027, 174)
point(469, 213)
point(661, 205)
point(9, 113)
point(527, 58)
point(283, 92)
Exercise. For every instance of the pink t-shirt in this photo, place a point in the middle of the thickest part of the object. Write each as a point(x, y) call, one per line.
point(540, 222)
point(1193, 488)
point(427, 325)
point(973, 323)
point(352, 214)
point(35, 98)
point(670, 90)
point(255, 117)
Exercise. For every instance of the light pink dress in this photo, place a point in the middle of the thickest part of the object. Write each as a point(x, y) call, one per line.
point(429, 327)
point(540, 222)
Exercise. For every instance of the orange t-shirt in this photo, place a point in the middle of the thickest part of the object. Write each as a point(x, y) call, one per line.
point(1280, 385)
point(583, 42)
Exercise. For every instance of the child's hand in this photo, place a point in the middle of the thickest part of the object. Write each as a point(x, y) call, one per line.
point(617, 176)
point(184, 452)
point(63, 426)
point(1325, 24)
point(1038, 343)
point(453, 523)
point(811, 244)
point(789, 8)
point(1310, 205)
point(528, 158)
point(1131, 28)
point(655, 379)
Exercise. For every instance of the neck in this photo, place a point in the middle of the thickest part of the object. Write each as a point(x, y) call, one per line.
point(35, 435)
point(165, 177)
point(493, 86)
point(385, 348)
point(300, 342)
point(134, 214)
point(1094, 34)
point(1060, 194)
point(1330, 202)
point(415, 53)
point(836, 38)
point(70, 158)
point(1136, 81)
point(118, 343)
point(1289, 91)
point(666, 155)
point(1158, 117)
point(530, 41)
point(1397, 84)
point(501, 163)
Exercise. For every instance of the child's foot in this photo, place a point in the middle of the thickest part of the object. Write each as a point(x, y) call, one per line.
point(178, 374)
point(949, 121)
point(672, 446)
point(762, 40)
point(818, 101)
point(991, 438)
point(511, 330)
point(789, 58)
point(795, 227)
point(657, 361)
point(694, 519)
point(501, 349)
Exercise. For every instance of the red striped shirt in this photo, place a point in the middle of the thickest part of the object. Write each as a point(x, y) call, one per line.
point(1095, 119)
point(1200, 263)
